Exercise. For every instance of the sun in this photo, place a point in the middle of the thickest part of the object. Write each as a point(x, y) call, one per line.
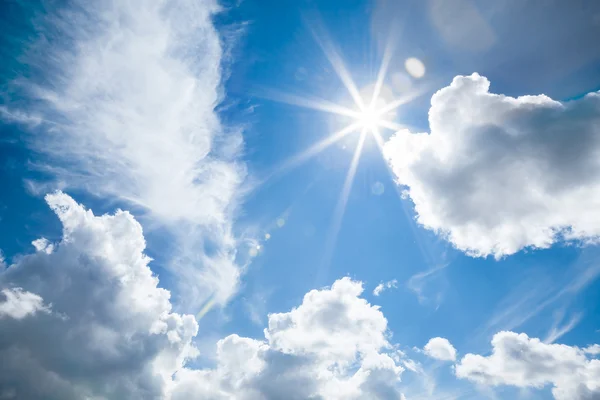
point(369, 119)
point(372, 113)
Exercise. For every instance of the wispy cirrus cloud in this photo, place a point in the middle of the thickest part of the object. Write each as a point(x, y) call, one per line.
point(385, 286)
point(124, 99)
point(540, 292)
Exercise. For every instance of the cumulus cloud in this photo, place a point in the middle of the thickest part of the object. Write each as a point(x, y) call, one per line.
point(384, 286)
point(498, 174)
point(42, 244)
point(19, 304)
point(521, 361)
point(440, 349)
point(112, 332)
point(593, 350)
point(333, 346)
point(124, 97)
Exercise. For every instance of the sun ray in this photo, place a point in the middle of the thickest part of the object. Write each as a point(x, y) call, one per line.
point(313, 103)
point(407, 98)
point(340, 208)
point(336, 61)
point(390, 125)
point(400, 101)
point(342, 72)
point(313, 150)
point(351, 172)
point(378, 140)
point(406, 208)
point(385, 63)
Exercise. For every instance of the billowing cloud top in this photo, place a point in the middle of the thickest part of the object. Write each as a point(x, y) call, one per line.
point(333, 346)
point(110, 332)
point(498, 174)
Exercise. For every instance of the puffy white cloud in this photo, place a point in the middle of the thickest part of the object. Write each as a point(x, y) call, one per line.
point(336, 319)
point(384, 286)
point(497, 174)
point(19, 304)
point(111, 332)
point(593, 350)
point(440, 349)
point(333, 346)
point(521, 361)
point(124, 108)
point(43, 244)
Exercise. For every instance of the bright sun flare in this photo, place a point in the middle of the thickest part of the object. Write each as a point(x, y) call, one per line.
point(372, 113)
point(369, 119)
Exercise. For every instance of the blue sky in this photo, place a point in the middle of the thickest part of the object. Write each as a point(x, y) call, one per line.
point(475, 215)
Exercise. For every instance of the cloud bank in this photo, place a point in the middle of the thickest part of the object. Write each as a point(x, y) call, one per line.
point(124, 96)
point(111, 332)
point(497, 174)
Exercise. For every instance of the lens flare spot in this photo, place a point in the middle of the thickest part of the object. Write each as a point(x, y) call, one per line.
point(377, 188)
point(415, 67)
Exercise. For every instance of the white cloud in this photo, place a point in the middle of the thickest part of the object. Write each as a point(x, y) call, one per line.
point(421, 282)
point(497, 174)
point(440, 349)
point(385, 285)
point(593, 350)
point(19, 304)
point(112, 332)
point(525, 362)
point(557, 331)
point(19, 117)
point(333, 346)
point(126, 104)
point(42, 244)
point(537, 291)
